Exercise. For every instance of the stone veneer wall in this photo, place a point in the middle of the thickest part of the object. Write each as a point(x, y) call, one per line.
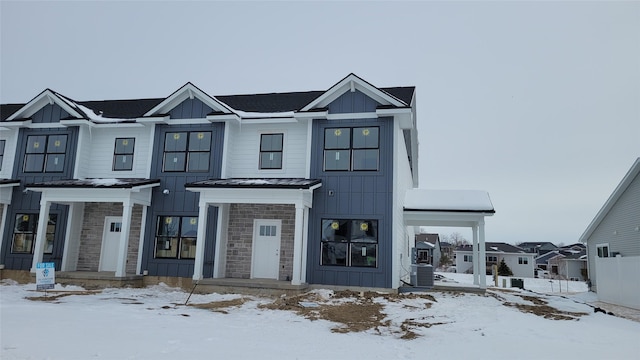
point(91, 235)
point(240, 237)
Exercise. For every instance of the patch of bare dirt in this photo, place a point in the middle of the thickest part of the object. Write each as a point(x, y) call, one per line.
point(539, 307)
point(53, 297)
point(352, 311)
point(219, 306)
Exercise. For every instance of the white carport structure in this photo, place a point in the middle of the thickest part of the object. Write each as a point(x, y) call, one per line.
point(79, 191)
point(453, 208)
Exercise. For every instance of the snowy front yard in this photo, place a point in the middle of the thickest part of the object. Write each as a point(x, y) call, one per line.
point(154, 323)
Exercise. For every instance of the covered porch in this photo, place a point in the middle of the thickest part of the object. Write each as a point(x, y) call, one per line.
point(275, 211)
point(104, 229)
point(453, 208)
point(6, 193)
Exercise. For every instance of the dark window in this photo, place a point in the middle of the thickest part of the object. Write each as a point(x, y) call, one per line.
point(187, 151)
point(123, 154)
point(351, 149)
point(2, 144)
point(176, 237)
point(350, 243)
point(492, 258)
point(45, 153)
point(468, 258)
point(523, 260)
point(603, 250)
point(271, 151)
point(24, 233)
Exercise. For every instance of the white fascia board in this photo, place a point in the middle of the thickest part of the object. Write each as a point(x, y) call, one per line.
point(71, 195)
point(46, 97)
point(187, 121)
point(403, 116)
point(252, 121)
point(45, 126)
point(223, 118)
point(253, 196)
point(153, 119)
point(188, 91)
point(91, 124)
point(352, 83)
point(77, 122)
point(443, 218)
point(352, 116)
point(311, 115)
point(16, 124)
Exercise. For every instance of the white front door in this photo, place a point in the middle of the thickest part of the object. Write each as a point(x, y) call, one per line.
point(110, 243)
point(266, 249)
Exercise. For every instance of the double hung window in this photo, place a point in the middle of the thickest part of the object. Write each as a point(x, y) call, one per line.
point(45, 153)
point(523, 260)
point(24, 233)
point(351, 149)
point(271, 151)
point(123, 154)
point(176, 237)
point(187, 151)
point(349, 242)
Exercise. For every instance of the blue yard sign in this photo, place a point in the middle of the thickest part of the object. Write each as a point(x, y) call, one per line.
point(45, 276)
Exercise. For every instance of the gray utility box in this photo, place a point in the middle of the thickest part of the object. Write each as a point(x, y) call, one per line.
point(422, 275)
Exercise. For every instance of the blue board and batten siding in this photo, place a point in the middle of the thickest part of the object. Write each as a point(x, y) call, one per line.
point(29, 202)
point(366, 195)
point(179, 201)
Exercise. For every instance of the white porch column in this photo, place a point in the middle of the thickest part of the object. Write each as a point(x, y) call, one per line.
point(121, 269)
point(41, 233)
point(200, 241)
point(483, 258)
point(297, 246)
point(3, 221)
point(475, 256)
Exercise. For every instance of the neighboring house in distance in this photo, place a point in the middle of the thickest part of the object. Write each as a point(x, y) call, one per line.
point(447, 249)
point(519, 261)
point(568, 262)
point(312, 187)
point(613, 244)
point(538, 248)
point(428, 249)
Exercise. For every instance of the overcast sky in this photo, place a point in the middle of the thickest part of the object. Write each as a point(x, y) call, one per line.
point(536, 103)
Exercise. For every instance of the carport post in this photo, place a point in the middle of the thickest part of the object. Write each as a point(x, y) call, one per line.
point(475, 255)
point(483, 258)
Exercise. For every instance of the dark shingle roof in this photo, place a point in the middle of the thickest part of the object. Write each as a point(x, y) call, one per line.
point(7, 109)
point(96, 183)
point(266, 103)
point(494, 247)
point(261, 183)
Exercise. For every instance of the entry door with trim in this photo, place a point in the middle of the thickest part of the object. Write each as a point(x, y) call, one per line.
point(265, 258)
point(110, 243)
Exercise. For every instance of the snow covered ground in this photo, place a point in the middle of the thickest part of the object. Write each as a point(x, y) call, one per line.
point(154, 323)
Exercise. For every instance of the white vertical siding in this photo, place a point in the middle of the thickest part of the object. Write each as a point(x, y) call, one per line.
point(402, 235)
point(618, 228)
point(244, 150)
point(11, 138)
point(96, 156)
